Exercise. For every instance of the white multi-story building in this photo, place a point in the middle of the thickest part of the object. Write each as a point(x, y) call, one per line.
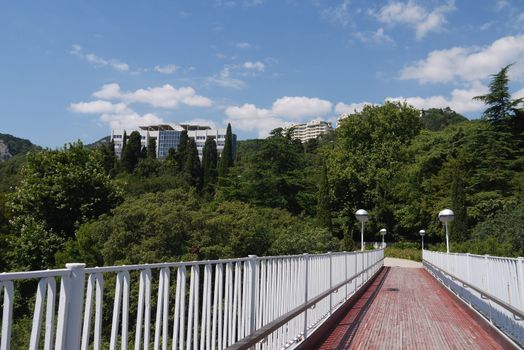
point(168, 136)
point(310, 130)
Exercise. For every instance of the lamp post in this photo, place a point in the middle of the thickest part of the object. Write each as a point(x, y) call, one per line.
point(362, 216)
point(383, 233)
point(446, 216)
point(422, 233)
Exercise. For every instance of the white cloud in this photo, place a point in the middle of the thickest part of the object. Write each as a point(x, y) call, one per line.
point(300, 107)
point(243, 45)
point(92, 58)
point(117, 116)
point(461, 100)
point(130, 120)
point(98, 107)
point(501, 4)
point(167, 69)
point(225, 79)
point(377, 37)
point(283, 112)
point(165, 96)
point(233, 3)
point(413, 15)
point(342, 108)
point(339, 14)
point(201, 121)
point(518, 94)
point(257, 66)
point(248, 118)
point(469, 64)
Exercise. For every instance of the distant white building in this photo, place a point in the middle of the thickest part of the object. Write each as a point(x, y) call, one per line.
point(310, 130)
point(168, 136)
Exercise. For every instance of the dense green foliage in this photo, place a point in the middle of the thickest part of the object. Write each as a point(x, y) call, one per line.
point(59, 190)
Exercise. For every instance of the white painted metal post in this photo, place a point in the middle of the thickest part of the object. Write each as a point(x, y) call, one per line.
point(330, 281)
point(486, 265)
point(306, 286)
point(7, 314)
point(74, 301)
point(362, 237)
point(520, 280)
point(252, 317)
point(447, 239)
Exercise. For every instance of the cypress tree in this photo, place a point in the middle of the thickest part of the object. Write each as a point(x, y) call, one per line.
point(209, 165)
point(124, 144)
point(323, 206)
point(171, 154)
point(151, 148)
point(132, 152)
point(226, 158)
point(192, 171)
point(181, 152)
point(108, 156)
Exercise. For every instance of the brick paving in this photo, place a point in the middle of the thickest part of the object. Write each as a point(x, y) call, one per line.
point(406, 308)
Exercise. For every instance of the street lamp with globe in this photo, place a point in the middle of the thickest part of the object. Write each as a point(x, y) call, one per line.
point(446, 216)
point(362, 216)
point(422, 233)
point(383, 233)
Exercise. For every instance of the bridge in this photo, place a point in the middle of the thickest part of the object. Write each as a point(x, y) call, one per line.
point(340, 300)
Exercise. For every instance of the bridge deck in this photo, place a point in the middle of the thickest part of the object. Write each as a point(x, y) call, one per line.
point(406, 308)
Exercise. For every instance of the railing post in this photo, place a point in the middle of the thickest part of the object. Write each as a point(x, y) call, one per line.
point(346, 271)
point(306, 286)
point(253, 294)
point(520, 278)
point(468, 268)
point(330, 281)
point(69, 327)
point(486, 265)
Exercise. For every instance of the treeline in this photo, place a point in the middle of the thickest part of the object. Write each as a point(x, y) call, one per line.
point(278, 196)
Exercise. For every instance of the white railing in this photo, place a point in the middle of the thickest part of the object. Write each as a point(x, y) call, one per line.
point(275, 301)
point(492, 285)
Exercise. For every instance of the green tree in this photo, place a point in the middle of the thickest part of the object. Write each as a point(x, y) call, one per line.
point(226, 157)
point(182, 151)
point(109, 157)
point(499, 102)
point(192, 170)
point(459, 226)
point(151, 148)
point(59, 190)
point(209, 166)
point(62, 188)
point(132, 152)
point(124, 142)
point(323, 201)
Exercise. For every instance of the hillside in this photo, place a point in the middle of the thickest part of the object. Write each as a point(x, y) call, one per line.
point(11, 146)
point(99, 143)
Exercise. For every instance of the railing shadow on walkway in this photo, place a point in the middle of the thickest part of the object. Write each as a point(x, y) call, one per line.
point(507, 324)
point(350, 315)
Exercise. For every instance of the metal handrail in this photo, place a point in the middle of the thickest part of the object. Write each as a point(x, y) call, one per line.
point(261, 333)
point(510, 308)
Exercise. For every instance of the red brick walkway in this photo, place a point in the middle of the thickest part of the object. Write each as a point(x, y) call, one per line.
point(408, 309)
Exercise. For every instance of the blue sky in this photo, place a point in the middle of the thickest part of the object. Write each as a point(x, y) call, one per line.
point(73, 70)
